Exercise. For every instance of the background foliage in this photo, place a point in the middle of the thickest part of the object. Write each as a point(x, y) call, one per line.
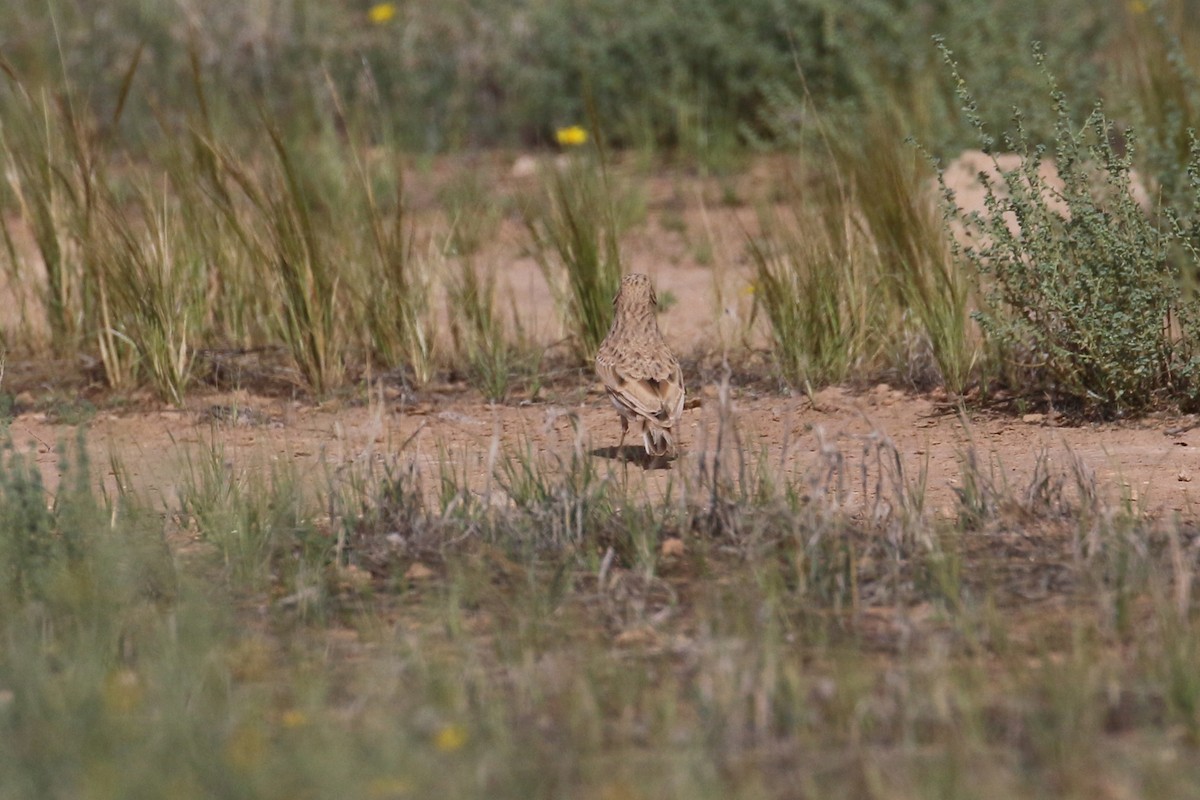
point(463, 73)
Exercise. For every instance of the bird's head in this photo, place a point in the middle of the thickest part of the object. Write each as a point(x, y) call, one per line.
point(636, 292)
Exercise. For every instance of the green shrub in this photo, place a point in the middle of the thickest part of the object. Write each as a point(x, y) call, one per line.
point(1083, 304)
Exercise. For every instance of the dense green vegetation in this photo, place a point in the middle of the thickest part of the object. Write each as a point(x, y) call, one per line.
point(472, 73)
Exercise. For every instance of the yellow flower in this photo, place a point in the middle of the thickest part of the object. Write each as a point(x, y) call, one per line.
point(450, 738)
point(1136, 7)
point(382, 12)
point(293, 718)
point(571, 137)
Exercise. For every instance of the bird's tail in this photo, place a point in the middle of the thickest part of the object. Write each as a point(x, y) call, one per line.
point(659, 441)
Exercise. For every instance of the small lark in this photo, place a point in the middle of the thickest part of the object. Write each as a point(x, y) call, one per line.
point(639, 372)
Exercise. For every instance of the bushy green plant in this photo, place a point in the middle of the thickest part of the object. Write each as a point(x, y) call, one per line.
point(1083, 301)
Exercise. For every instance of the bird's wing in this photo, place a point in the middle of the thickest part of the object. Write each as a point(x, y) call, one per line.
point(651, 388)
point(606, 369)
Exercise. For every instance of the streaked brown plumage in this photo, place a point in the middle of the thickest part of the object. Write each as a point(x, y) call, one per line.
point(641, 375)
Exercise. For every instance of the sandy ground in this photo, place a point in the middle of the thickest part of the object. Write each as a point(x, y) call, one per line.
point(1150, 462)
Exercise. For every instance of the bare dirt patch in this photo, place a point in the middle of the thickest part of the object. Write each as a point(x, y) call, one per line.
point(1150, 461)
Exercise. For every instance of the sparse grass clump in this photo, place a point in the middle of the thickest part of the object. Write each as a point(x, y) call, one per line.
point(934, 294)
point(152, 291)
point(395, 286)
point(260, 524)
point(575, 235)
point(856, 277)
point(493, 355)
point(281, 215)
point(52, 170)
point(814, 280)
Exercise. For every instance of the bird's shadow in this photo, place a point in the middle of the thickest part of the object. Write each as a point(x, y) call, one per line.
point(633, 454)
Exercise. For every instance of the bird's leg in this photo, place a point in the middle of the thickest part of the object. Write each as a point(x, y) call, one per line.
point(621, 445)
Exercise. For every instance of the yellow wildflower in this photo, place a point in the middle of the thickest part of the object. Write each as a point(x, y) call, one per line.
point(450, 738)
point(293, 718)
point(382, 12)
point(1136, 7)
point(571, 137)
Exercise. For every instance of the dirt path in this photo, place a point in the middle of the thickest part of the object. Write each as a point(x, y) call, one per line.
point(1147, 461)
